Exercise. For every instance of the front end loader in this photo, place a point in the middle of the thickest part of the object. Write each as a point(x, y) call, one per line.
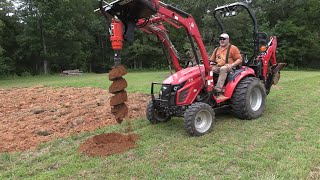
point(188, 93)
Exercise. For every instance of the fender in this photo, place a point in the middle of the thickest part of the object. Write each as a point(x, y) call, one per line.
point(233, 84)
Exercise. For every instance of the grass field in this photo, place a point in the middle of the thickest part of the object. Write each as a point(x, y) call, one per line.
point(138, 81)
point(283, 144)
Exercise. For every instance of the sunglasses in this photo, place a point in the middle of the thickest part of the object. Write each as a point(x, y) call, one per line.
point(222, 38)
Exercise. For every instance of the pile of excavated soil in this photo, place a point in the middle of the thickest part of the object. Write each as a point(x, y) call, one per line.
point(30, 116)
point(107, 144)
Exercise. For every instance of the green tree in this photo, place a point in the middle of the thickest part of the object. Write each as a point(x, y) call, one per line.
point(3, 66)
point(54, 35)
point(63, 33)
point(294, 22)
point(9, 29)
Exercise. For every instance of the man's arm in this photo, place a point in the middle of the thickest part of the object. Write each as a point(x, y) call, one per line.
point(236, 56)
point(213, 57)
point(237, 62)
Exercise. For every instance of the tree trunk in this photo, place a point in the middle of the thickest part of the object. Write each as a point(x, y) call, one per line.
point(44, 46)
point(45, 61)
point(140, 64)
point(134, 64)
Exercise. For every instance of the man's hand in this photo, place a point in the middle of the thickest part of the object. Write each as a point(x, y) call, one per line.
point(213, 63)
point(229, 66)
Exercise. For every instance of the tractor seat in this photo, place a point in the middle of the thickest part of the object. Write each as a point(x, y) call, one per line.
point(237, 70)
point(232, 75)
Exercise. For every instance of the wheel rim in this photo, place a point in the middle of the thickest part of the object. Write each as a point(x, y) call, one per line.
point(256, 99)
point(203, 121)
point(160, 116)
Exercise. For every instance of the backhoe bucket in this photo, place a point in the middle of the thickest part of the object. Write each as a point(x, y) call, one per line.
point(276, 72)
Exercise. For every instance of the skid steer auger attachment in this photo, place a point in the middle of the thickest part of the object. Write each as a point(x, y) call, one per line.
point(117, 102)
point(123, 16)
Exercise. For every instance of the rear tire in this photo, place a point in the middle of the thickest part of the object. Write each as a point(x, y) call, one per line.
point(154, 116)
point(249, 98)
point(199, 119)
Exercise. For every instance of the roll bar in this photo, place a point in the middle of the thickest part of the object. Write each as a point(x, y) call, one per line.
point(232, 7)
point(229, 10)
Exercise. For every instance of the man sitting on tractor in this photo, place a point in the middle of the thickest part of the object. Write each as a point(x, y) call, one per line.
point(225, 59)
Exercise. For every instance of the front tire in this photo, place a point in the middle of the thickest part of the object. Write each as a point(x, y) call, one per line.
point(249, 98)
point(154, 116)
point(199, 119)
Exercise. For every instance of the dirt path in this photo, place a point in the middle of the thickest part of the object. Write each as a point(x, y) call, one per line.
point(29, 116)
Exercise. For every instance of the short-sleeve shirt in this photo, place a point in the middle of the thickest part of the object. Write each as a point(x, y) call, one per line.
point(234, 54)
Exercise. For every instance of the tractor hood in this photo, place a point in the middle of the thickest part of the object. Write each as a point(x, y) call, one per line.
point(190, 74)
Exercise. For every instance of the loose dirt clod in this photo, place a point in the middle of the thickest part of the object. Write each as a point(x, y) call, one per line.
point(107, 144)
point(118, 98)
point(118, 85)
point(43, 132)
point(37, 111)
point(120, 111)
point(117, 72)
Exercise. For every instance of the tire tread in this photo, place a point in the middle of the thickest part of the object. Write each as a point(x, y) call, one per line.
point(239, 96)
point(189, 118)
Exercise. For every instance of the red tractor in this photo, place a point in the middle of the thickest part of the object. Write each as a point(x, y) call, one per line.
point(188, 92)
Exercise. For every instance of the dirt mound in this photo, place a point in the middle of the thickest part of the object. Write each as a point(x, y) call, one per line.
point(30, 116)
point(107, 144)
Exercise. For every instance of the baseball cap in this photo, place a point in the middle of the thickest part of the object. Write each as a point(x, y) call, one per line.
point(224, 35)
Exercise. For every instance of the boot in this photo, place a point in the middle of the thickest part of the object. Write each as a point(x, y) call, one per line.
point(221, 97)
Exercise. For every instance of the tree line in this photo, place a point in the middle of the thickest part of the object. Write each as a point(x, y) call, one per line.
point(49, 36)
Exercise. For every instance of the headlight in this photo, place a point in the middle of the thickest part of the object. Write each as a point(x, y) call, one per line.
point(179, 86)
point(165, 90)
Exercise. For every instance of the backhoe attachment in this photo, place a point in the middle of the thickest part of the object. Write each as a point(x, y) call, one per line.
point(119, 108)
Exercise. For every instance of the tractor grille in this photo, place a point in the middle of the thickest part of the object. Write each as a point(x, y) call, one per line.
point(166, 94)
point(162, 93)
point(183, 95)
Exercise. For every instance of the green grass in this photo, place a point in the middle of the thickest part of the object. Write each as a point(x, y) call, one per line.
point(283, 144)
point(137, 81)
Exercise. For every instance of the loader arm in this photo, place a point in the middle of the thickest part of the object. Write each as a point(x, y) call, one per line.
point(150, 16)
